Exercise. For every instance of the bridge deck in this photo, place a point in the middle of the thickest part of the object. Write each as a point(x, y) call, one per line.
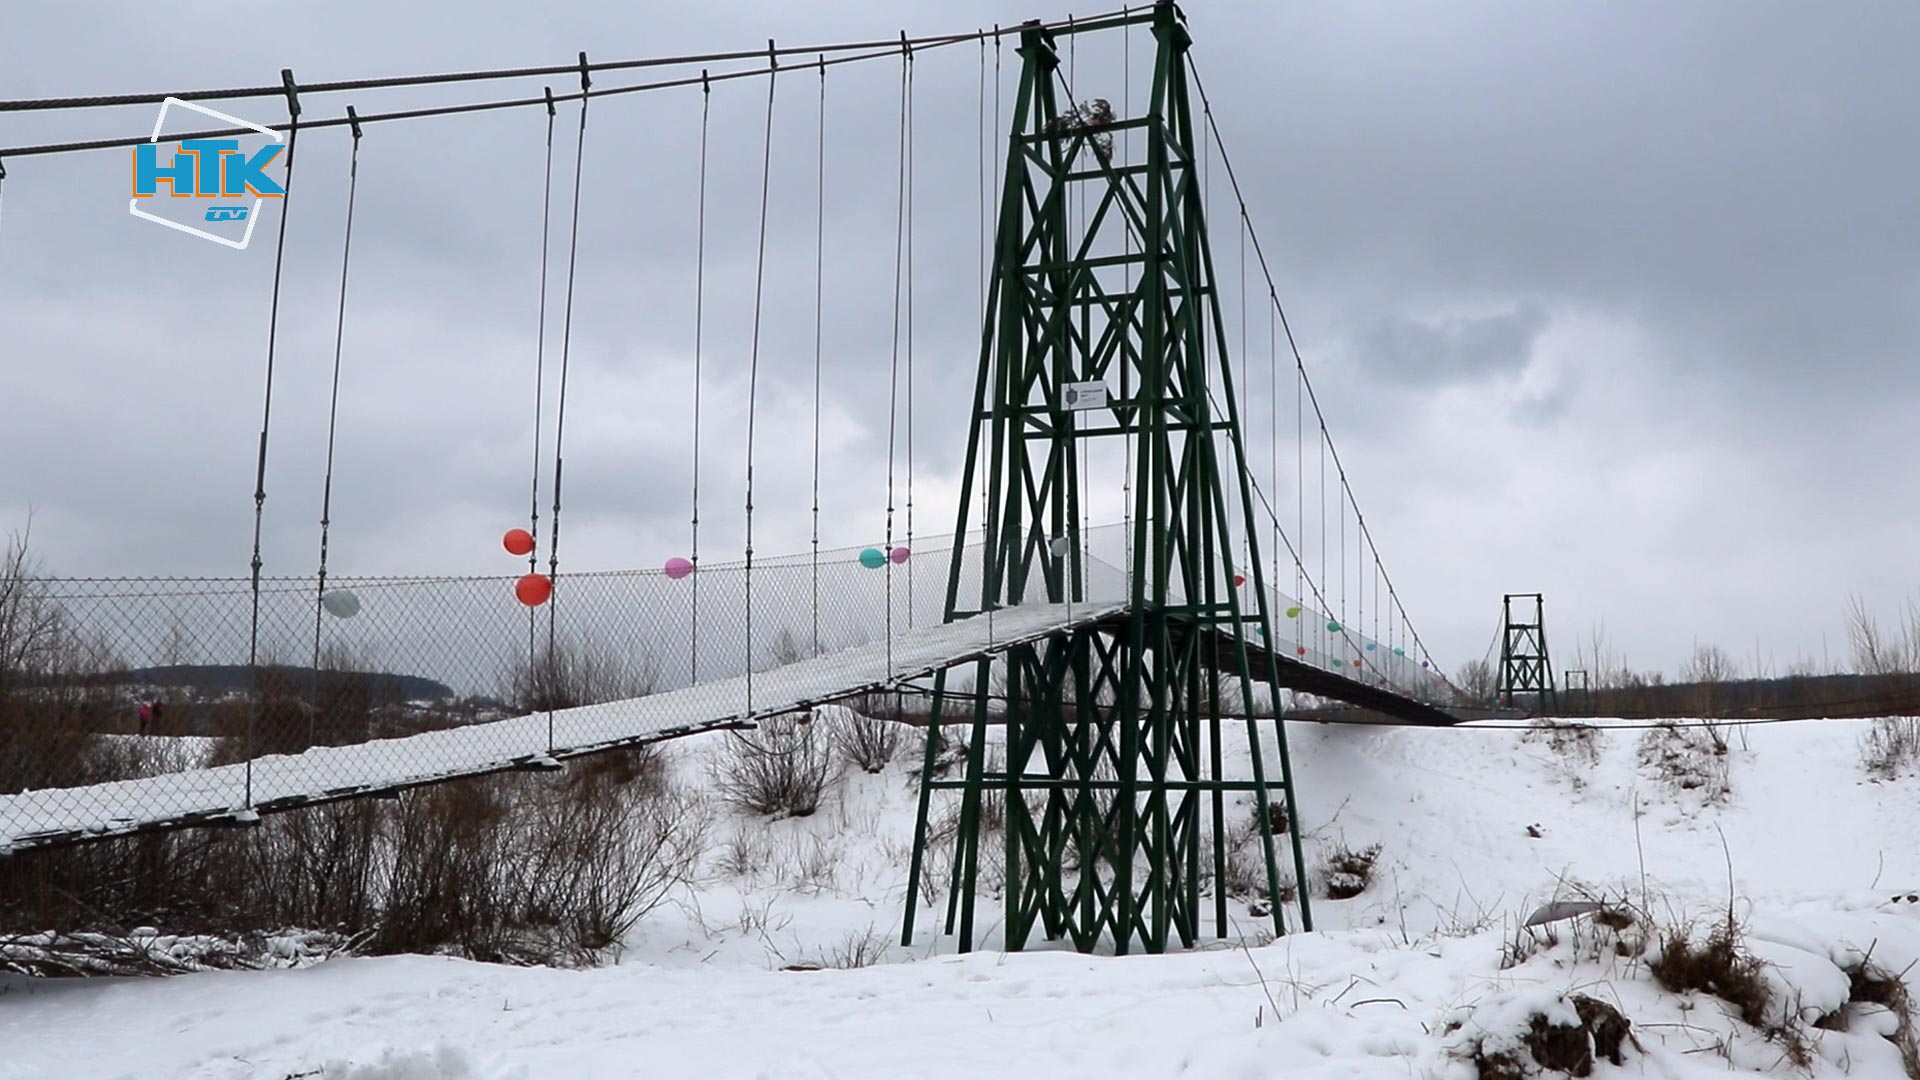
point(240, 792)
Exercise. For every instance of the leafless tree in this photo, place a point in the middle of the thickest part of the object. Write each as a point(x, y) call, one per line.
point(1477, 680)
point(1711, 664)
point(29, 623)
point(1880, 651)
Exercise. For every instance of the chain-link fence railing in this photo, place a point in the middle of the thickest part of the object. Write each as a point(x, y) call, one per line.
point(210, 700)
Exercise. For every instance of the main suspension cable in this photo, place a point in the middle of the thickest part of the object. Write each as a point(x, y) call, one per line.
point(390, 82)
point(878, 52)
point(1307, 384)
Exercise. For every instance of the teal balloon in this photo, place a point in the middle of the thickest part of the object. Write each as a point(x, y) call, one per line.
point(873, 558)
point(1398, 651)
point(1333, 626)
point(1339, 663)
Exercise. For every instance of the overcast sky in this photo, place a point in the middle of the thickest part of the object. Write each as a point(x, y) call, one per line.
point(1618, 302)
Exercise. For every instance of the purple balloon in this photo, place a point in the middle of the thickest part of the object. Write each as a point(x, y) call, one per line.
point(678, 568)
point(898, 555)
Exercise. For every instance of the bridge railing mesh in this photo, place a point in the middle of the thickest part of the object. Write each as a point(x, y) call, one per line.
point(108, 679)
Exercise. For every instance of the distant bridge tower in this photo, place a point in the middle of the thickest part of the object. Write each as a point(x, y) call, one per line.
point(1526, 672)
point(1112, 785)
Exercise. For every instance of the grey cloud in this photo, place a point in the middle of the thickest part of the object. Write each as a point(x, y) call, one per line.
point(1426, 352)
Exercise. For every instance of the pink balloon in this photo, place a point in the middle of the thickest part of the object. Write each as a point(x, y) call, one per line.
point(678, 568)
point(898, 555)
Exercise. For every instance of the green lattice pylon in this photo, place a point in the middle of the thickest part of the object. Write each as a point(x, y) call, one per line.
point(1112, 790)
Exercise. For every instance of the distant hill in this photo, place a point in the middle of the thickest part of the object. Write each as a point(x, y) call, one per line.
point(230, 678)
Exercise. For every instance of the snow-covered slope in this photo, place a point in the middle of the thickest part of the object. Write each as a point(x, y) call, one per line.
point(1476, 829)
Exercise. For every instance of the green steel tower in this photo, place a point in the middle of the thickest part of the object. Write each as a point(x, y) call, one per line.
point(1112, 787)
point(1525, 669)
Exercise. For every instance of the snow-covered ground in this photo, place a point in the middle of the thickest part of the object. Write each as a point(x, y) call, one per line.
point(1476, 829)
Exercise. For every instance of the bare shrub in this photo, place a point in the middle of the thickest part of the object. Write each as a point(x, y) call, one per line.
point(515, 868)
point(1890, 746)
point(1246, 869)
point(869, 734)
point(568, 674)
point(1869, 984)
point(1688, 759)
point(1602, 1033)
point(1718, 965)
point(779, 769)
point(1575, 748)
point(746, 853)
point(1346, 872)
point(859, 949)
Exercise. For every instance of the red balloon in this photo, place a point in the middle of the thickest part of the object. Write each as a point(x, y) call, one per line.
point(1239, 580)
point(1301, 650)
point(533, 589)
point(517, 542)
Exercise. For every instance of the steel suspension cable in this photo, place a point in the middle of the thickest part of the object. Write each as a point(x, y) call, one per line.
point(893, 375)
point(1273, 449)
point(819, 287)
point(1307, 384)
point(909, 291)
point(1246, 387)
point(1126, 272)
point(333, 421)
point(266, 423)
point(980, 149)
point(389, 82)
point(540, 382)
point(699, 332)
point(560, 414)
point(753, 364)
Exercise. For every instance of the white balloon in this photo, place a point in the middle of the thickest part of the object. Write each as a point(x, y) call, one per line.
point(340, 604)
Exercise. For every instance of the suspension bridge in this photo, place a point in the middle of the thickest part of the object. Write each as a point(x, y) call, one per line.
point(1107, 658)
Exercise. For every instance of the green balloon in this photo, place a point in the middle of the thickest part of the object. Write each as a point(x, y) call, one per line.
point(873, 558)
point(1339, 663)
point(1333, 626)
point(1293, 613)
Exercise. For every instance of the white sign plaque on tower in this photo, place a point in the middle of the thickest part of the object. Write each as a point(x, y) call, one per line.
point(1075, 396)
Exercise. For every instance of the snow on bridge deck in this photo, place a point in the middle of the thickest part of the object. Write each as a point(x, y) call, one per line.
point(237, 794)
point(240, 792)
